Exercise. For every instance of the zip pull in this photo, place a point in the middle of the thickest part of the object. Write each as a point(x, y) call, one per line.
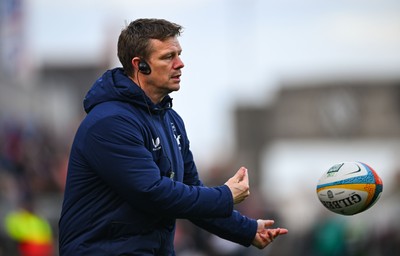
point(171, 175)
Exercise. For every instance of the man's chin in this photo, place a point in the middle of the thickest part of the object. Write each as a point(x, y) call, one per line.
point(175, 88)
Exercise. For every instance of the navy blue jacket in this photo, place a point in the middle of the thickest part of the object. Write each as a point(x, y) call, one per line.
point(131, 174)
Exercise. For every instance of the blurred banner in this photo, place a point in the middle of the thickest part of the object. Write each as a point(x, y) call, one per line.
point(12, 37)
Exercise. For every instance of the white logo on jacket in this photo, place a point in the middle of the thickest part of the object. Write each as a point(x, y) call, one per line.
point(177, 137)
point(156, 144)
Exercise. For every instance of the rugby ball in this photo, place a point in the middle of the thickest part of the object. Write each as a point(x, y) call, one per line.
point(349, 188)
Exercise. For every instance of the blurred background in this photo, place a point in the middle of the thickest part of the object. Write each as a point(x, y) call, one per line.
point(286, 88)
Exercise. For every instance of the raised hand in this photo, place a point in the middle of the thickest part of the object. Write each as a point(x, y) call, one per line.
point(266, 235)
point(239, 185)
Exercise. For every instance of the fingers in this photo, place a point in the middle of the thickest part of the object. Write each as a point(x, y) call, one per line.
point(267, 237)
point(283, 231)
point(268, 233)
point(243, 180)
point(239, 185)
point(241, 175)
point(268, 223)
point(271, 235)
point(274, 233)
point(245, 176)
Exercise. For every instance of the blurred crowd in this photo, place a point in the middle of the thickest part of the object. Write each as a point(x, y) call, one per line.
point(32, 175)
point(33, 161)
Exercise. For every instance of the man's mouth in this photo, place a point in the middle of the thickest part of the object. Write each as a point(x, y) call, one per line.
point(176, 77)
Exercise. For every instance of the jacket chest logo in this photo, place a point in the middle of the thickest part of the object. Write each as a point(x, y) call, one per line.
point(156, 144)
point(178, 141)
point(176, 135)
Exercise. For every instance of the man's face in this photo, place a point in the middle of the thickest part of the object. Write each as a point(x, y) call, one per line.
point(166, 65)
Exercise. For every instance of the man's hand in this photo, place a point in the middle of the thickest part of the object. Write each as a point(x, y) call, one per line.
point(239, 185)
point(266, 235)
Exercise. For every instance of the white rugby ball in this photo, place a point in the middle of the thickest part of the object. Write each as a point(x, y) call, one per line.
point(349, 188)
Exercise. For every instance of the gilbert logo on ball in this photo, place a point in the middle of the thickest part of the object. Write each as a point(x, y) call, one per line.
point(349, 188)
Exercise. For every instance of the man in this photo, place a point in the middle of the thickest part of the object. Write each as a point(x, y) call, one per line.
point(131, 173)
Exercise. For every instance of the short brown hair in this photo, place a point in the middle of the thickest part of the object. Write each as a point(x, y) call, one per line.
point(134, 39)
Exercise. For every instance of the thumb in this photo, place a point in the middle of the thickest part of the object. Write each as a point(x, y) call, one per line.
point(268, 223)
point(241, 174)
point(264, 224)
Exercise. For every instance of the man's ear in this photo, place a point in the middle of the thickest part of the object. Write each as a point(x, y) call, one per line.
point(135, 63)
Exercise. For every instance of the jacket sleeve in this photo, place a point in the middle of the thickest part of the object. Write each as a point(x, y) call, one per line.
point(114, 148)
point(236, 228)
